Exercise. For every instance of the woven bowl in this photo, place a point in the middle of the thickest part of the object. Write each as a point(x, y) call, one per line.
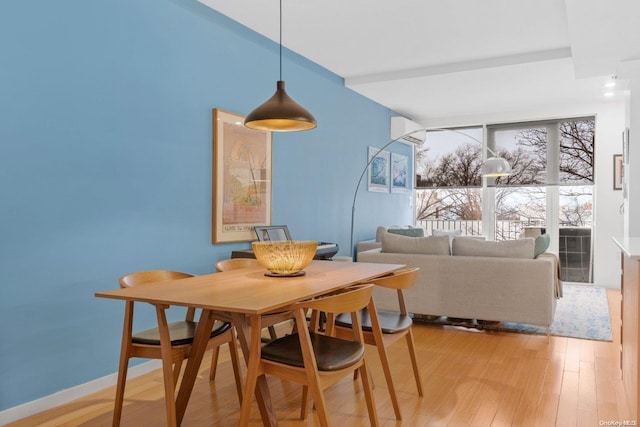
point(285, 258)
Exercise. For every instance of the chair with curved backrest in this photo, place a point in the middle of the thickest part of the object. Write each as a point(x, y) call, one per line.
point(319, 360)
point(146, 344)
point(393, 326)
point(268, 320)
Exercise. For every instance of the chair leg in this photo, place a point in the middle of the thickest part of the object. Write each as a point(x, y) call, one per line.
point(311, 370)
point(356, 375)
point(165, 350)
point(384, 359)
point(176, 372)
point(233, 350)
point(214, 363)
point(272, 333)
point(304, 408)
point(414, 361)
point(368, 393)
point(319, 403)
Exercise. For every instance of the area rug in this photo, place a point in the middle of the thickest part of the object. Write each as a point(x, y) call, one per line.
point(582, 312)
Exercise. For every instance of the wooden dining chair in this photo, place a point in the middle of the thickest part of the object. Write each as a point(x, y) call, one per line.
point(393, 327)
point(146, 344)
point(319, 360)
point(268, 320)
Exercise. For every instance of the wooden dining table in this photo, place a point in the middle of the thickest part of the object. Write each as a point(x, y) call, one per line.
point(242, 297)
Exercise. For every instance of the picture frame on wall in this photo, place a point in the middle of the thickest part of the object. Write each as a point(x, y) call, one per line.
point(241, 179)
point(378, 173)
point(399, 173)
point(618, 171)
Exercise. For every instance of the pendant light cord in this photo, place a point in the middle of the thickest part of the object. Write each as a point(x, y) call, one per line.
point(280, 40)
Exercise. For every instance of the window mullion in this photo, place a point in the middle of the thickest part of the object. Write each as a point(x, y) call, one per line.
point(488, 193)
point(553, 179)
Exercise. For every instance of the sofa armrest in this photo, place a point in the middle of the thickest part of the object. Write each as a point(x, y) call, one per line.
point(367, 245)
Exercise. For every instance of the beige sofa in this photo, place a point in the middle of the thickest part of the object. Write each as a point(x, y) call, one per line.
point(510, 285)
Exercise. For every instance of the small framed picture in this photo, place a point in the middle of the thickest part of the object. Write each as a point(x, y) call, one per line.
point(618, 171)
point(272, 233)
point(378, 170)
point(399, 173)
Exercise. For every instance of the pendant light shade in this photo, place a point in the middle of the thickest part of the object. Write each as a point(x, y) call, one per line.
point(496, 166)
point(280, 113)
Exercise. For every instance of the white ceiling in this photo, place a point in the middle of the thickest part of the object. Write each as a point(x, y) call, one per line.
point(429, 59)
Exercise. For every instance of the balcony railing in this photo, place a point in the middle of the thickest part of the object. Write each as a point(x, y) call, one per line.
point(505, 229)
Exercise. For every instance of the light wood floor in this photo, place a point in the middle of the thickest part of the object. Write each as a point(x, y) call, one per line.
point(470, 378)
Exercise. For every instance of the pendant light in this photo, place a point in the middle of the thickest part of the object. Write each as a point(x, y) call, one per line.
point(280, 113)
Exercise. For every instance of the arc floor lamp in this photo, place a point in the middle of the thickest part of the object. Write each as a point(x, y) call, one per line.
point(492, 167)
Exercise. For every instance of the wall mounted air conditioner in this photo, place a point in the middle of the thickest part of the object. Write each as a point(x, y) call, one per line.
point(402, 126)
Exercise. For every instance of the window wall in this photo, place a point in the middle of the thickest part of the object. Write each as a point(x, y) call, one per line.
point(550, 189)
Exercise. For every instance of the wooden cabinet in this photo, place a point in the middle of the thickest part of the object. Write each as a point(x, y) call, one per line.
point(630, 330)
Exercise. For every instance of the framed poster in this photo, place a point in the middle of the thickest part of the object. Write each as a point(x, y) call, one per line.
point(399, 173)
point(241, 179)
point(378, 170)
point(618, 171)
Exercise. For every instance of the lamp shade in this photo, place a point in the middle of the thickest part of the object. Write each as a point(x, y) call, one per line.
point(280, 113)
point(496, 166)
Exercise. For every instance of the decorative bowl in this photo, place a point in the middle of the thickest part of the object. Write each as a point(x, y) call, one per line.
point(286, 257)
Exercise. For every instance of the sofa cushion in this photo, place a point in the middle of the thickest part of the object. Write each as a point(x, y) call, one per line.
point(409, 232)
point(395, 243)
point(454, 234)
point(521, 248)
point(541, 244)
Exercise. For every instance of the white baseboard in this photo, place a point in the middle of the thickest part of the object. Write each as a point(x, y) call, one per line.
point(65, 396)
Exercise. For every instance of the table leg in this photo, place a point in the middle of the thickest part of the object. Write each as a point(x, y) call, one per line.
point(249, 337)
point(198, 348)
point(125, 351)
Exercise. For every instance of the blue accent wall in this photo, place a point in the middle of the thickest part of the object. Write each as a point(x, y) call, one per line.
point(105, 167)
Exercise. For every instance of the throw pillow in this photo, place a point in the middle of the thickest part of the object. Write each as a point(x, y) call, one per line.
point(396, 243)
point(541, 244)
point(379, 232)
point(383, 229)
point(521, 248)
point(409, 232)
